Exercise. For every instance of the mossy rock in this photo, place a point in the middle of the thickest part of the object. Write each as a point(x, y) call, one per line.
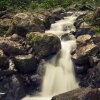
point(44, 44)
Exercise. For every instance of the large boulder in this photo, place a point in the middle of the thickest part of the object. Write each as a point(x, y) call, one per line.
point(79, 94)
point(11, 47)
point(12, 88)
point(26, 22)
point(44, 44)
point(26, 63)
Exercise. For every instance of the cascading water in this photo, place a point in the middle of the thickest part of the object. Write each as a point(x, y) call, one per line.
point(59, 76)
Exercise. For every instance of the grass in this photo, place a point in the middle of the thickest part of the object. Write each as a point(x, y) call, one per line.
point(32, 4)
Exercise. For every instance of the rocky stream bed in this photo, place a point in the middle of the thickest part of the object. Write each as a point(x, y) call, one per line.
point(25, 44)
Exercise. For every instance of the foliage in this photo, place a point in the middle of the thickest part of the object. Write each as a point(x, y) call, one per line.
point(26, 4)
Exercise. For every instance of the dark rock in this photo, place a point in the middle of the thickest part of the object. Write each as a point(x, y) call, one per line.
point(78, 23)
point(92, 78)
point(79, 94)
point(80, 17)
point(96, 40)
point(48, 21)
point(83, 31)
point(85, 7)
point(26, 63)
point(32, 83)
point(2, 13)
point(4, 61)
point(81, 69)
point(12, 88)
point(67, 37)
point(44, 44)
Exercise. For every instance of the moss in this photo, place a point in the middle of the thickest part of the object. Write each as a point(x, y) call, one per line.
point(97, 29)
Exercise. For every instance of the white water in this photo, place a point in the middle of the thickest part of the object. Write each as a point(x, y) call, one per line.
point(59, 76)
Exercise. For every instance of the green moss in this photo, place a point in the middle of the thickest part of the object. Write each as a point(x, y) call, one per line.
point(97, 29)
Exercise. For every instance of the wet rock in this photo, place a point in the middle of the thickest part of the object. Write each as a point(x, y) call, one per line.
point(12, 88)
point(44, 44)
point(26, 63)
point(4, 61)
point(79, 94)
point(67, 37)
point(26, 22)
point(78, 23)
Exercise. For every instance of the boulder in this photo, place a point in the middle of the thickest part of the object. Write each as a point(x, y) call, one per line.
point(44, 44)
point(79, 94)
point(4, 61)
point(83, 38)
point(96, 18)
point(11, 47)
point(32, 82)
point(84, 50)
point(26, 63)
point(92, 78)
point(85, 7)
point(26, 22)
point(12, 88)
point(82, 58)
point(46, 17)
point(84, 31)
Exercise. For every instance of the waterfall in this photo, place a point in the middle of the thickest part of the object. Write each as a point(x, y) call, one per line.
point(59, 76)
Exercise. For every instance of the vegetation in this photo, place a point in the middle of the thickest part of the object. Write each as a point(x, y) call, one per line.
point(32, 4)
